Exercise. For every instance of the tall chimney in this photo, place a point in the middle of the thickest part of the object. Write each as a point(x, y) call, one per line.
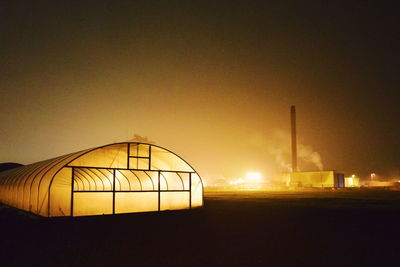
point(294, 141)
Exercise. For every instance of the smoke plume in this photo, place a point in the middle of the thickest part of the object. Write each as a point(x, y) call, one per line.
point(307, 154)
point(279, 148)
point(141, 139)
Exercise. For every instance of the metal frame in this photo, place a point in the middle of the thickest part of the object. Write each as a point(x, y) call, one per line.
point(78, 171)
point(31, 184)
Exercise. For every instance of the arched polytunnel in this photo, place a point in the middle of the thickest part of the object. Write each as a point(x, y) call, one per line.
point(116, 178)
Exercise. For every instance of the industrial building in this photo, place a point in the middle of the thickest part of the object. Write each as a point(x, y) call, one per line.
point(116, 178)
point(316, 179)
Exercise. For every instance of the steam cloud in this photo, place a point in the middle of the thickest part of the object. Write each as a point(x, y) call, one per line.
point(280, 148)
point(141, 139)
point(307, 154)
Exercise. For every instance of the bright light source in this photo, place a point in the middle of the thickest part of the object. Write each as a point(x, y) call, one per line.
point(253, 177)
point(351, 181)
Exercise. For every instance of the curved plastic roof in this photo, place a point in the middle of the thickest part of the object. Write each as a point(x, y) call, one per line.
point(29, 187)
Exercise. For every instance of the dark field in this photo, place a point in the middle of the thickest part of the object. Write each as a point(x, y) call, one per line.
point(355, 228)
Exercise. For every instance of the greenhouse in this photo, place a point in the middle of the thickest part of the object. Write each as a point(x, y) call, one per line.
point(111, 179)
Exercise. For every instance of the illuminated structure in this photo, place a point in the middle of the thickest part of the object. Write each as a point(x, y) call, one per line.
point(317, 179)
point(297, 179)
point(116, 178)
point(352, 181)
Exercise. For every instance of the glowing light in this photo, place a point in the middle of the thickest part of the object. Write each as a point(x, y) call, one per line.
point(254, 177)
point(352, 181)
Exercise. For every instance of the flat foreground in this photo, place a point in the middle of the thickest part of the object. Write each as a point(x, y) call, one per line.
point(349, 228)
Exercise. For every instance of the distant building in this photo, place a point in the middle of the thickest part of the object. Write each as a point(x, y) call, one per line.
point(352, 181)
point(315, 179)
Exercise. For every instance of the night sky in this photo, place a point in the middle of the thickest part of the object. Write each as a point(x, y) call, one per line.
point(210, 80)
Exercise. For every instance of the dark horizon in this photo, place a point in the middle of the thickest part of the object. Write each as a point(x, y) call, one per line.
point(212, 81)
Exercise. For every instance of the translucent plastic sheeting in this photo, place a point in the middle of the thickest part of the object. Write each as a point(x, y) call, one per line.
point(133, 163)
point(27, 187)
point(93, 203)
point(175, 181)
point(93, 179)
point(148, 180)
point(139, 156)
point(144, 150)
point(136, 202)
point(42, 201)
point(143, 164)
point(45, 187)
point(112, 156)
point(162, 159)
point(139, 150)
point(174, 200)
point(130, 181)
point(60, 193)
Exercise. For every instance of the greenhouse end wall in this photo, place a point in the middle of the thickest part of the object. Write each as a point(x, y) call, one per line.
point(116, 178)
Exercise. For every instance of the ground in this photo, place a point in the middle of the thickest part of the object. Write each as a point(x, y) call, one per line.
point(332, 228)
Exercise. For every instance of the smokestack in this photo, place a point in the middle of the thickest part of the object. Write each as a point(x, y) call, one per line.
point(294, 137)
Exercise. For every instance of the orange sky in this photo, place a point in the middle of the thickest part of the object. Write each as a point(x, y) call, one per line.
point(211, 81)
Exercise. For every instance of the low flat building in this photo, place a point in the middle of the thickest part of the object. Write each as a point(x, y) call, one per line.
point(315, 179)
